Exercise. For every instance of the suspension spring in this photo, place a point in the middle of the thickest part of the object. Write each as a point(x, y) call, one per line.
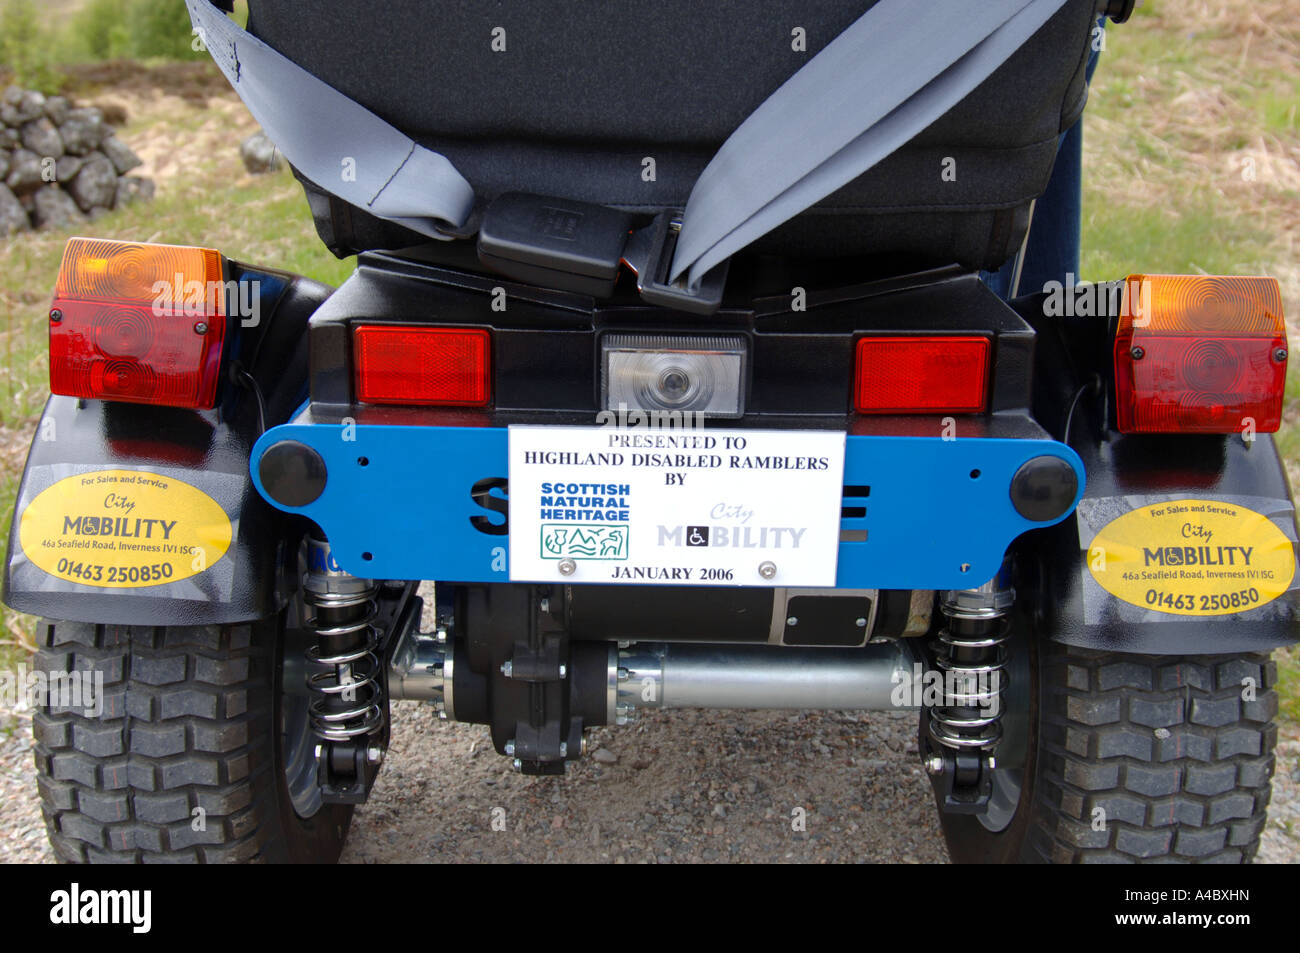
point(343, 665)
point(970, 652)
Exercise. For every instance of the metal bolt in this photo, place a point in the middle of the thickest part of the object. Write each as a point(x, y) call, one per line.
point(441, 636)
point(508, 668)
point(1137, 353)
point(442, 715)
point(792, 620)
point(564, 670)
point(200, 327)
point(510, 747)
point(1279, 354)
point(567, 567)
point(861, 623)
point(318, 752)
point(517, 764)
point(993, 762)
point(583, 748)
point(544, 605)
point(374, 754)
point(767, 569)
point(564, 749)
point(934, 765)
point(56, 315)
point(624, 675)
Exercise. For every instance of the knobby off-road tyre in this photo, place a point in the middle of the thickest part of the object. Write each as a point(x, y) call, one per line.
point(1173, 753)
point(191, 720)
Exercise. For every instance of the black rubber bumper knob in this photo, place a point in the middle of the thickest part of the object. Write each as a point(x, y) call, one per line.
point(292, 473)
point(1043, 488)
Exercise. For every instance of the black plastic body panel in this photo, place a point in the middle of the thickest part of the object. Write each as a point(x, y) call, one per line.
point(207, 449)
point(546, 345)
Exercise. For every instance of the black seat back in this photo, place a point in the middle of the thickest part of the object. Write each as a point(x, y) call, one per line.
point(623, 103)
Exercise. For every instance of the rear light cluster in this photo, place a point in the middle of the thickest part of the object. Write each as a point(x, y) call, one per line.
point(138, 323)
point(1193, 354)
point(922, 374)
point(397, 364)
point(1200, 354)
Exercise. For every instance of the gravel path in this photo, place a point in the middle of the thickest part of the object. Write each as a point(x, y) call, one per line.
point(676, 786)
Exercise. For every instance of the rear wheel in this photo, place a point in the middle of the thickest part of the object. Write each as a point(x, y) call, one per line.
point(199, 754)
point(1129, 758)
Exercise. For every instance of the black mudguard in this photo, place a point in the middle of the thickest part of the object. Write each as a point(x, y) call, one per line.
point(209, 450)
point(1074, 392)
point(1130, 472)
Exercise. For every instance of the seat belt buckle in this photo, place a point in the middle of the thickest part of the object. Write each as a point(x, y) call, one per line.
point(576, 246)
point(649, 253)
point(554, 242)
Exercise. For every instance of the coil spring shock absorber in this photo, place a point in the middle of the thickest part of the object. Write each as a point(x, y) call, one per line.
point(347, 707)
point(965, 726)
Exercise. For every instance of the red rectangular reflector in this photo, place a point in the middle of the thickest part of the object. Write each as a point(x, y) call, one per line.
point(922, 374)
point(432, 366)
point(135, 353)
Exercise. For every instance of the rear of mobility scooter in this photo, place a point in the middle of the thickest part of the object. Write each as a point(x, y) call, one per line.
point(882, 453)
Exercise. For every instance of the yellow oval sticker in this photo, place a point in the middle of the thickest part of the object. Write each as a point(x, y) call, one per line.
point(124, 529)
point(1193, 557)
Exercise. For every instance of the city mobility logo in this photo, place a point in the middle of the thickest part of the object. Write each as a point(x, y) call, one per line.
point(733, 537)
point(123, 526)
point(1197, 555)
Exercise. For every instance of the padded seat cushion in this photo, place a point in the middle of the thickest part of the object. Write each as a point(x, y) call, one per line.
point(585, 91)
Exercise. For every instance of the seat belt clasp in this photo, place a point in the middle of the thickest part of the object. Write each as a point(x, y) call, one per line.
point(554, 242)
point(649, 253)
point(576, 246)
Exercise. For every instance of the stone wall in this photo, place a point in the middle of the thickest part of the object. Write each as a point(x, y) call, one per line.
point(60, 164)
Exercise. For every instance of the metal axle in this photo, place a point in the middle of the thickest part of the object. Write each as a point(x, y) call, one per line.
point(656, 675)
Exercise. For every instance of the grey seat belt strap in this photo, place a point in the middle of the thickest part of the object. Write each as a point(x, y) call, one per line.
point(333, 140)
point(891, 74)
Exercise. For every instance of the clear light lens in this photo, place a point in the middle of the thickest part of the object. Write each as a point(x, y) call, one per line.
point(674, 373)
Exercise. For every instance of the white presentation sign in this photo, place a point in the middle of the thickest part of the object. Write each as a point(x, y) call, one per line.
point(675, 507)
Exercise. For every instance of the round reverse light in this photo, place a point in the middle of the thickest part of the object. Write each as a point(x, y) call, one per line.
point(676, 386)
point(673, 373)
point(671, 381)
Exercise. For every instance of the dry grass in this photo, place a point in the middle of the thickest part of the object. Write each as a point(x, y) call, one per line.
point(1195, 106)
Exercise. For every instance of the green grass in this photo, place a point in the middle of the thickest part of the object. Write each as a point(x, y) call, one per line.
point(1288, 684)
point(1121, 239)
